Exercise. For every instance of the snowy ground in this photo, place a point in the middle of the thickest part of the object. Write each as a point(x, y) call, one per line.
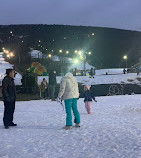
point(112, 131)
point(101, 79)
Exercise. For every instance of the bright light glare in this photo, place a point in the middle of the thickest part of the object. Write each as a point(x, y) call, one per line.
point(49, 55)
point(125, 57)
point(11, 54)
point(80, 52)
point(76, 61)
point(6, 51)
point(89, 53)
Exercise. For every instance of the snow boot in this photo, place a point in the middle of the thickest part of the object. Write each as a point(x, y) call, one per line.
point(6, 127)
point(67, 127)
point(13, 124)
point(77, 124)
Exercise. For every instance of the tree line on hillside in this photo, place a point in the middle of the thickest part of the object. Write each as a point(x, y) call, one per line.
point(107, 46)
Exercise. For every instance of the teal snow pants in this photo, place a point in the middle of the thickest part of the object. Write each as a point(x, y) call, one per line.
point(71, 104)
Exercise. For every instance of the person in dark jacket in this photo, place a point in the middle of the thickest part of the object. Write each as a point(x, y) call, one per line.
point(9, 97)
point(52, 83)
point(88, 96)
point(92, 72)
point(44, 88)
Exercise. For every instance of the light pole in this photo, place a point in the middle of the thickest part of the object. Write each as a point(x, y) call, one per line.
point(83, 58)
point(125, 58)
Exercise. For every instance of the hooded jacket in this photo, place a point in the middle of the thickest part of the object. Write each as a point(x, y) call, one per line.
point(68, 87)
point(88, 94)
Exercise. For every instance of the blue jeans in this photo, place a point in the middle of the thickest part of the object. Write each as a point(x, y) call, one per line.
point(71, 104)
point(52, 91)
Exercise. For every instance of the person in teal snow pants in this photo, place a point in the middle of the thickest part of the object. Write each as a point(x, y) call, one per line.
point(71, 104)
point(69, 93)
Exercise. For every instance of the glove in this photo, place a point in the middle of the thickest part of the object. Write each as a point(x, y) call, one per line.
point(58, 100)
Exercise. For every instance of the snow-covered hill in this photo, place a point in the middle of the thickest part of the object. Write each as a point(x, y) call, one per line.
point(5, 65)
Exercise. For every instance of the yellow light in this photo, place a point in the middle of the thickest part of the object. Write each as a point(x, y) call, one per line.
point(67, 52)
point(49, 55)
point(11, 32)
point(80, 52)
point(89, 53)
point(6, 51)
point(3, 48)
point(11, 54)
point(60, 51)
point(39, 41)
point(125, 57)
point(76, 61)
point(75, 51)
point(92, 34)
point(8, 55)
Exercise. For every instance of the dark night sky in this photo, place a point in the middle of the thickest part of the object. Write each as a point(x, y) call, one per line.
point(124, 14)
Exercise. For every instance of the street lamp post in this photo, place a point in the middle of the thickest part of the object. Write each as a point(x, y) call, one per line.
point(125, 58)
point(84, 61)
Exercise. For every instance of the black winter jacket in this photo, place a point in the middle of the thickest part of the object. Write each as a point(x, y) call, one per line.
point(8, 89)
point(88, 95)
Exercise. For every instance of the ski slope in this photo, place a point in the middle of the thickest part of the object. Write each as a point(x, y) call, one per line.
point(5, 65)
point(112, 131)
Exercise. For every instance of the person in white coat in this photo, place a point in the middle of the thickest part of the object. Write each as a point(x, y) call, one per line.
point(69, 92)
